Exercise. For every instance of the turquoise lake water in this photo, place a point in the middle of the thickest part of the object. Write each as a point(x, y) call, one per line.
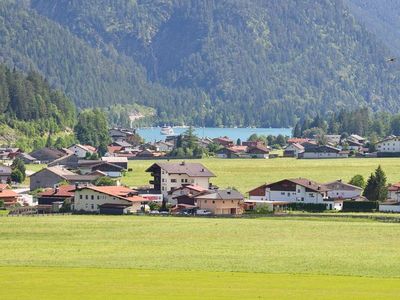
point(154, 134)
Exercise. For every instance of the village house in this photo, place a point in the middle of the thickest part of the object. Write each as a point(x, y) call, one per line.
point(223, 141)
point(341, 190)
point(121, 134)
point(119, 161)
point(162, 146)
point(291, 190)
point(298, 140)
point(91, 166)
point(81, 151)
point(388, 147)
point(221, 202)
point(324, 151)
point(69, 161)
point(107, 200)
point(8, 196)
point(394, 192)
point(5, 174)
point(8, 154)
point(51, 176)
point(390, 206)
point(185, 194)
point(58, 194)
point(293, 150)
point(357, 138)
point(170, 176)
point(353, 145)
point(47, 155)
point(258, 151)
point(26, 158)
point(231, 152)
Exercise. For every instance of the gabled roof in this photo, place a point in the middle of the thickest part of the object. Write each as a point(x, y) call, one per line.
point(70, 160)
point(296, 145)
point(258, 149)
point(297, 140)
point(120, 192)
point(222, 195)
point(191, 187)
point(62, 191)
point(62, 172)
point(115, 159)
point(307, 183)
point(394, 187)
point(45, 154)
point(190, 169)
point(7, 193)
point(340, 185)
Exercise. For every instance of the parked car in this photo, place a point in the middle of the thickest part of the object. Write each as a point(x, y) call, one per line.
point(203, 212)
point(154, 212)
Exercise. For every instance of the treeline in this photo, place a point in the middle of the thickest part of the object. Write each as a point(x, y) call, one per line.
point(360, 121)
point(30, 110)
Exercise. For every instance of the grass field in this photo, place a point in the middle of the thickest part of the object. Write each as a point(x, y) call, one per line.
point(245, 174)
point(65, 257)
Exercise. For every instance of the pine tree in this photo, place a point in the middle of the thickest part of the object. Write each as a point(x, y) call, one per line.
point(376, 189)
point(370, 188)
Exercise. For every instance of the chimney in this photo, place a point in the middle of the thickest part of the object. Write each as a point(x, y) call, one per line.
point(309, 183)
point(319, 188)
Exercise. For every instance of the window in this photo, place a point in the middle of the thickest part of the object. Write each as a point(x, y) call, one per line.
point(92, 206)
point(98, 197)
point(173, 180)
point(223, 201)
point(80, 197)
point(205, 201)
point(213, 202)
point(282, 193)
point(311, 195)
point(298, 191)
point(86, 197)
point(182, 180)
point(92, 197)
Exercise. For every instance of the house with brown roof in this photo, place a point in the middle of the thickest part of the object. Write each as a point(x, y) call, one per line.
point(47, 155)
point(107, 200)
point(57, 194)
point(170, 176)
point(51, 176)
point(293, 150)
point(8, 196)
point(81, 151)
point(221, 202)
point(300, 190)
point(257, 151)
point(224, 141)
point(185, 194)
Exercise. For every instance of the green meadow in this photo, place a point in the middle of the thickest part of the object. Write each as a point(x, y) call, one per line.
point(97, 257)
point(245, 174)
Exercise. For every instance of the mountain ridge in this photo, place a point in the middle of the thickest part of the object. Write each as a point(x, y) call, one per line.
point(214, 63)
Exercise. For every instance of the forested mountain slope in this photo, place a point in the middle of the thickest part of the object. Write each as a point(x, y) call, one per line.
point(381, 17)
point(225, 62)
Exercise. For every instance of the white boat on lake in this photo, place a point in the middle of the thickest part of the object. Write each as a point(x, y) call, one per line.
point(167, 130)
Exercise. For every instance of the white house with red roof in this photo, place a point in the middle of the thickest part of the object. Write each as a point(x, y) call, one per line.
point(93, 198)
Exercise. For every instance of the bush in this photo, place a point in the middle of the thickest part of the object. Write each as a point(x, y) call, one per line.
point(364, 206)
point(309, 207)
